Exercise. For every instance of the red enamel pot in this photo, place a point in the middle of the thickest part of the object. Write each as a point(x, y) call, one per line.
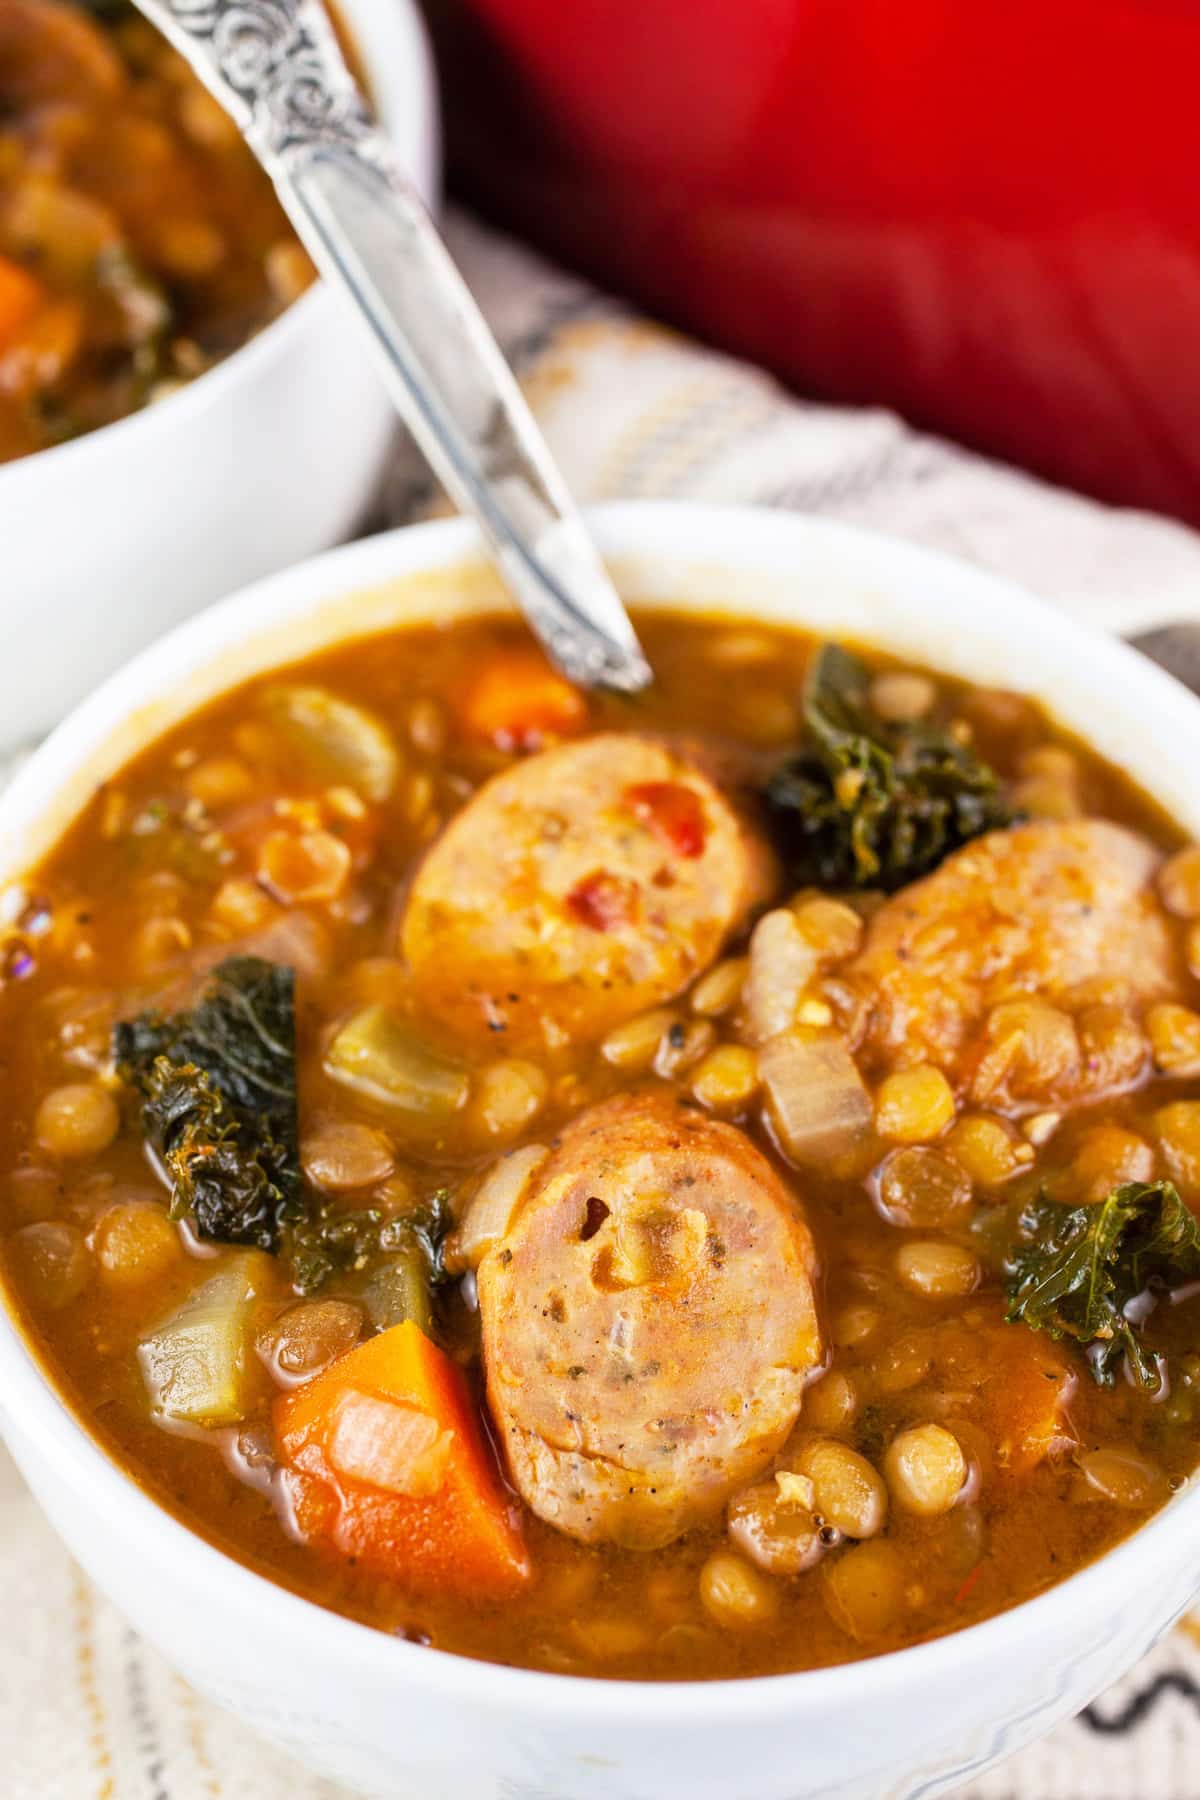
point(985, 213)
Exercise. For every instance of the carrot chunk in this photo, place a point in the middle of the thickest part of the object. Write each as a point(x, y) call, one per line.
point(603, 902)
point(1031, 1388)
point(518, 702)
point(673, 812)
point(20, 297)
point(385, 1461)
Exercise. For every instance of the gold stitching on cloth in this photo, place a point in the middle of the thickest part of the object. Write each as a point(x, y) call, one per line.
point(85, 1674)
point(619, 471)
point(579, 336)
point(193, 1724)
point(653, 455)
point(555, 367)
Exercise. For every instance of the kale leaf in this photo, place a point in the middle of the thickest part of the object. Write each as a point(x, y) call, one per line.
point(218, 1086)
point(869, 802)
point(328, 1240)
point(1076, 1271)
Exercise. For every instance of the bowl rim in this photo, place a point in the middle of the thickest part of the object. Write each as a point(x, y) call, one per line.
point(406, 88)
point(686, 533)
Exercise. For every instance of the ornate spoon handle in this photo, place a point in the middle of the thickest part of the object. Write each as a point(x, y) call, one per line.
point(278, 69)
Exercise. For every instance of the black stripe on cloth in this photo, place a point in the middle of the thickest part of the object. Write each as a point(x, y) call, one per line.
point(1139, 1706)
point(903, 462)
point(565, 309)
point(149, 1745)
point(727, 418)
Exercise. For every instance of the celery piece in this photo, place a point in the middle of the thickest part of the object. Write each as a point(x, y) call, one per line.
point(379, 1055)
point(198, 1365)
point(399, 1290)
point(339, 741)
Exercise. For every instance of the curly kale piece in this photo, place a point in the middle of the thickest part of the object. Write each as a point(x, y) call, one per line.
point(1077, 1272)
point(399, 1259)
point(328, 1240)
point(218, 1086)
point(869, 802)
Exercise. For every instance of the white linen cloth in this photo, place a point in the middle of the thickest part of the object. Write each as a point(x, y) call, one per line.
point(88, 1711)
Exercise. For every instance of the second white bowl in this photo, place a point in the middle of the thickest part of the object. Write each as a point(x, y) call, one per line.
point(108, 540)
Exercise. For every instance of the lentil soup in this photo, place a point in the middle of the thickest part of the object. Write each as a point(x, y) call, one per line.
point(582, 1189)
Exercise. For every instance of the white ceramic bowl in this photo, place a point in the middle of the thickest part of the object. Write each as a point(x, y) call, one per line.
point(109, 539)
point(398, 1720)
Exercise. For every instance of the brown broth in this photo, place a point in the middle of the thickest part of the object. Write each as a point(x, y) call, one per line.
point(593, 1610)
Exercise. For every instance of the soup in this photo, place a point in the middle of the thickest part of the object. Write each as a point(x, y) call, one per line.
point(679, 1188)
point(139, 240)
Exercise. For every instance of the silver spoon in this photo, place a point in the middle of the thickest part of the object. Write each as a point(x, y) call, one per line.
point(277, 68)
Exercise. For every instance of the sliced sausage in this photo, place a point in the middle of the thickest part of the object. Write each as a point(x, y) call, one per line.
point(649, 1323)
point(577, 888)
point(1036, 911)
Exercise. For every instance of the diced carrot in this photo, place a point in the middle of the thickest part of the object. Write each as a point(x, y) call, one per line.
point(673, 812)
point(20, 297)
point(44, 346)
point(1030, 1388)
point(517, 702)
point(603, 902)
point(967, 1585)
point(385, 1460)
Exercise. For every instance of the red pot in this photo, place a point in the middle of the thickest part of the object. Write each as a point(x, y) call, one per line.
point(985, 213)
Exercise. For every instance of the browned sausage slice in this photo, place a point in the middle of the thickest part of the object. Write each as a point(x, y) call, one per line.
point(577, 888)
point(649, 1323)
point(1038, 910)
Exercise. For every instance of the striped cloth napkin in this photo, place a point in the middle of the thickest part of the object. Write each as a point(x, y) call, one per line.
point(87, 1710)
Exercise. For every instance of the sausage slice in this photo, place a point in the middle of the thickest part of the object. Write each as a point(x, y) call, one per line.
point(577, 888)
point(1037, 910)
point(649, 1323)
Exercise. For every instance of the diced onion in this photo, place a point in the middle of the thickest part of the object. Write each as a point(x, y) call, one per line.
point(816, 1099)
point(782, 963)
point(388, 1445)
point(491, 1211)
